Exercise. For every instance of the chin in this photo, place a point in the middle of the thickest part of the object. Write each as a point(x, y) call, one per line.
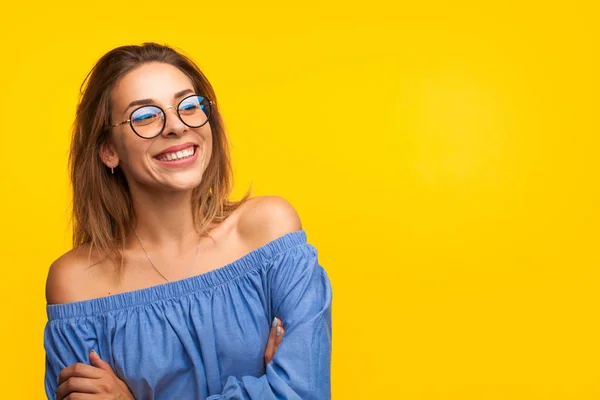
point(184, 183)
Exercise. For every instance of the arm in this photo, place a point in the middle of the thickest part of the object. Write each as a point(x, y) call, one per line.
point(64, 347)
point(301, 296)
point(63, 341)
point(98, 378)
point(67, 342)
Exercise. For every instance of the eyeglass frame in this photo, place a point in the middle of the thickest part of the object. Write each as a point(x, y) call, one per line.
point(210, 103)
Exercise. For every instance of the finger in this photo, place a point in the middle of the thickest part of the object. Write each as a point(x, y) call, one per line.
point(76, 385)
point(275, 325)
point(80, 370)
point(270, 349)
point(96, 361)
point(80, 396)
point(279, 338)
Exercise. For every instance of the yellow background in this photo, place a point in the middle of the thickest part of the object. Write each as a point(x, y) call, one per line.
point(442, 155)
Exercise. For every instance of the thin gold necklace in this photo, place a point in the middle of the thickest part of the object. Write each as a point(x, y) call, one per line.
point(154, 266)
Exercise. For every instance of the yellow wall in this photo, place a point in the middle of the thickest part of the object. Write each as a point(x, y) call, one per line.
point(443, 158)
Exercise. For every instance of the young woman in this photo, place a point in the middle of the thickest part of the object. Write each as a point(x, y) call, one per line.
point(171, 290)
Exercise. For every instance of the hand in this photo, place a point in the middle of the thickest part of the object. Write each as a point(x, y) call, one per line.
point(274, 340)
point(91, 382)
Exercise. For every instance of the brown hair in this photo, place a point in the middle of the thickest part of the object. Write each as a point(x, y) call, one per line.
point(103, 213)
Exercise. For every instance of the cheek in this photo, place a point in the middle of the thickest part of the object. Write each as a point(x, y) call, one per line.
point(208, 141)
point(132, 149)
point(209, 145)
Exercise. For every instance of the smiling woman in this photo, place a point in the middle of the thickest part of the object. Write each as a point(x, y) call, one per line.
point(171, 289)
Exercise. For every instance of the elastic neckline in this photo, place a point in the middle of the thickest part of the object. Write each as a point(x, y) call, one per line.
point(216, 277)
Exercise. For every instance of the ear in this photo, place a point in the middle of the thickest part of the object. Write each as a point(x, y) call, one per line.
point(109, 155)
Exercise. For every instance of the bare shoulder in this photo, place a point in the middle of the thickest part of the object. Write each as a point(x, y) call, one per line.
point(265, 218)
point(69, 277)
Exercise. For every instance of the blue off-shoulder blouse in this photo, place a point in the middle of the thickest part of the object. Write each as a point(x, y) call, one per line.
point(204, 337)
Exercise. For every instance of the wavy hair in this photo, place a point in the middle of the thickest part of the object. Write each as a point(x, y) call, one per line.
point(103, 213)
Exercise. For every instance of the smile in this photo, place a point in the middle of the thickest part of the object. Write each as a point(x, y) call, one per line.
point(177, 155)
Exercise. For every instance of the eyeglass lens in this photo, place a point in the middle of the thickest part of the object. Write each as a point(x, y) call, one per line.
point(149, 121)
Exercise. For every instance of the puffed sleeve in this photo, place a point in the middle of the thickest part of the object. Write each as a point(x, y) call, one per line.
point(301, 296)
point(66, 342)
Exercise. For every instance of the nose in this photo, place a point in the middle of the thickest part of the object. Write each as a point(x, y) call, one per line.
point(173, 124)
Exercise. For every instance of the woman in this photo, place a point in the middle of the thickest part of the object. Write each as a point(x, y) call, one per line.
point(170, 289)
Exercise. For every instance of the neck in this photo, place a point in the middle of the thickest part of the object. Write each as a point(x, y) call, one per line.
point(164, 220)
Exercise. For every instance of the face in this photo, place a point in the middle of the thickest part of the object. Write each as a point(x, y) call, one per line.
point(176, 158)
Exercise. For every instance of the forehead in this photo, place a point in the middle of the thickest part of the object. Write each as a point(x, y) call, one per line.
point(156, 81)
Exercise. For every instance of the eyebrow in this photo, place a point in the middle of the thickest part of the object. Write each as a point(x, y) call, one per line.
point(144, 102)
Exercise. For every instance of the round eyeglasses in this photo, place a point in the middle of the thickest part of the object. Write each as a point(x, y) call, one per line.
point(149, 121)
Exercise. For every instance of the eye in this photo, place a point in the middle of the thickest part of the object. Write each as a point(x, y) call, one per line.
point(145, 116)
point(189, 106)
point(192, 105)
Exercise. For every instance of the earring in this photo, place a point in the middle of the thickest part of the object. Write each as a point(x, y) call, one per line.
point(112, 170)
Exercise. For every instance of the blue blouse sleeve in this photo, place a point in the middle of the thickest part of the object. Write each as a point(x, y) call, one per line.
point(64, 345)
point(301, 296)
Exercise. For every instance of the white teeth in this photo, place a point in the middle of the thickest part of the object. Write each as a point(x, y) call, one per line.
point(178, 155)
